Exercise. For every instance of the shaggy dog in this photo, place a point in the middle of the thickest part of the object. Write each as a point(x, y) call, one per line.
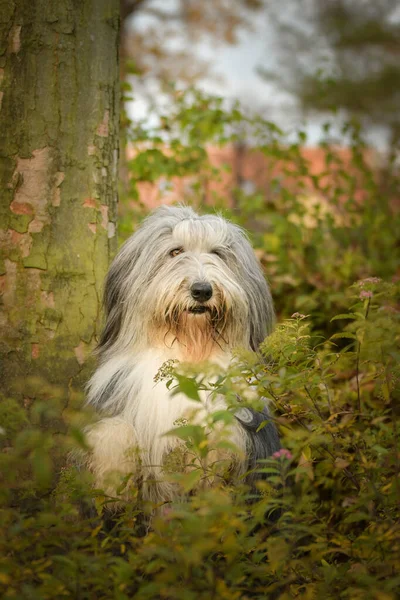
point(183, 288)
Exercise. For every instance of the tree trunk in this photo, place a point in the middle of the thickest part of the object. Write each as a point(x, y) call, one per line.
point(59, 106)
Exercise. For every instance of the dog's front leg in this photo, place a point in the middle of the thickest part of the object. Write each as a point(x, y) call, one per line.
point(114, 454)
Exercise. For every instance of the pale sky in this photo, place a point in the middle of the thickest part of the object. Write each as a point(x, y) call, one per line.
point(236, 66)
point(234, 70)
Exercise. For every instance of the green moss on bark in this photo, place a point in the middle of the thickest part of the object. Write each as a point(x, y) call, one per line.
point(58, 150)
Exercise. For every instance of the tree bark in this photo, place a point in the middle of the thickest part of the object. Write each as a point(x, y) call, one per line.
point(59, 107)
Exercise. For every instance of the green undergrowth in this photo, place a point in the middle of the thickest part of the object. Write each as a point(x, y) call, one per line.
point(324, 522)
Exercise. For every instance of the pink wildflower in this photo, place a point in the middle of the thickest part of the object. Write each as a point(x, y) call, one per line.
point(362, 282)
point(283, 453)
point(298, 315)
point(373, 280)
point(364, 294)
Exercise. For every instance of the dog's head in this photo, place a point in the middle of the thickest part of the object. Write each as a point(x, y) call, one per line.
point(186, 279)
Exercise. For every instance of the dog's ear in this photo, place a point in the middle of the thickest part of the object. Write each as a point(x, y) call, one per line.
point(261, 308)
point(130, 269)
point(262, 315)
point(113, 309)
point(115, 290)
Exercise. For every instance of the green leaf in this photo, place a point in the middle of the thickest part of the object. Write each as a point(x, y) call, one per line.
point(345, 335)
point(188, 386)
point(356, 517)
point(191, 479)
point(42, 467)
point(222, 415)
point(344, 316)
point(188, 433)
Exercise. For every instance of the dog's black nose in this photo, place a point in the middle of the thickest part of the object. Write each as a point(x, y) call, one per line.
point(201, 291)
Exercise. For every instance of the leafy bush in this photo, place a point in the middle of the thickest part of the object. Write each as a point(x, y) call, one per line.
point(324, 523)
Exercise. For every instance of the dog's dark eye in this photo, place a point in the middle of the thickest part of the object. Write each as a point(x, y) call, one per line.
point(176, 251)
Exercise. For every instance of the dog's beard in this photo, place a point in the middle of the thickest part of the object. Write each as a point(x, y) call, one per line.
point(197, 329)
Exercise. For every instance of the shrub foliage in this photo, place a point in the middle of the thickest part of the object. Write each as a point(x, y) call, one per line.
point(324, 519)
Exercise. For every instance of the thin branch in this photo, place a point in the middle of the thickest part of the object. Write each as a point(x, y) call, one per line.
point(313, 401)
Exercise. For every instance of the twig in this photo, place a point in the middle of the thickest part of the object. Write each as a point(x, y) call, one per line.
point(313, 401)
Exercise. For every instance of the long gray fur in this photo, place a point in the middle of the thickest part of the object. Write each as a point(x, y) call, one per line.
point(130, 303)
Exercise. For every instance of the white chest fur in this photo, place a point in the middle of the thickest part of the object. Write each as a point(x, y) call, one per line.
point(153, 409)
point(134, 439)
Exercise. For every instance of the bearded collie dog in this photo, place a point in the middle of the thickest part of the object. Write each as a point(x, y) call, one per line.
point(188, 289)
